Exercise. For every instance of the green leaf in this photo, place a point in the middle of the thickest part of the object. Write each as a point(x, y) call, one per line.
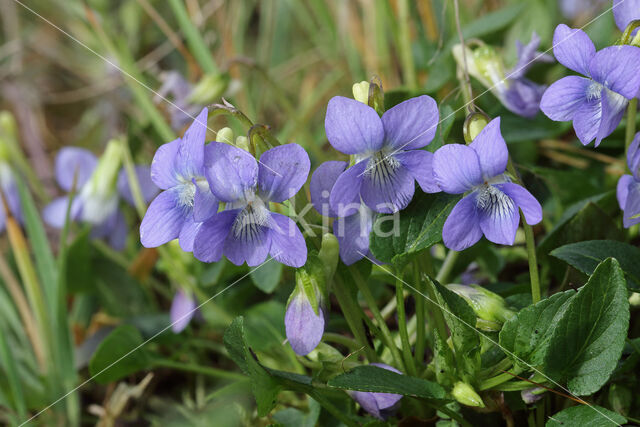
point(516, 129)
point(267, 277)
point(586, 416)
point(527, 334)
point(119, 355)
point(461, 320)
point(589, 337)
point(419, 227)
point(78, 271)
point(585, 256)
point(265, 388)
point(45, 262)
point(378, 380)
point(489, 23)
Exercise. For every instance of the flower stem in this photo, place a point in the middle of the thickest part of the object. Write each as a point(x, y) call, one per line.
point(204, 370)
point(404, 37)
point(436, 313)
point(353, 313)
point(530, 242)
point(373, 306)
point(402, 328)
point(631, 123)
point(447, 266)
point(420, 311)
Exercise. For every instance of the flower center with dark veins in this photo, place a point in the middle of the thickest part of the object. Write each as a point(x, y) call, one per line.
point(494, 202)
point(381, 167)
point(247, 225)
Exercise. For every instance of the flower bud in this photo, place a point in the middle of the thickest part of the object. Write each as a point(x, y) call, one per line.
point(328, 255)
point(183, 307)
point(304, 318)
point(242, 142)
point(380, 405)
point(304, 326)
point(361, 92)
point(209, 88)
point(488, 306)
point(634, 299)
point(225, 135)
point(473, 125)
point(466, 395)
point(99, 194)
point(532, 395)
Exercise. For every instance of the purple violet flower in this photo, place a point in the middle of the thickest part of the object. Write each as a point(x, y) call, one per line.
point(492, 201)
point(94, 203)
point(304, 327)
point(625, 11)
point(386, 151)
point(522, 96)
point(628, 189)
point(183, 307)
point(10, 190)
point(187, 201)
point(380, 405)
point(595, 104)
point(351, 231)
point(247, 230)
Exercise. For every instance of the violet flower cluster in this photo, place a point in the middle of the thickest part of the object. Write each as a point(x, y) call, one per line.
point(196, 178)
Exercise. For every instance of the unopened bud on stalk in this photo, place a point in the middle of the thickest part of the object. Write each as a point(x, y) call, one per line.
point(466, 395)
point(361, 92)
point(209, 88)
point(488, 306)
point(304, 319)
point(634, 299)
point(99, 194)
point(225, 135)
point(473, 125)
point(242, 142)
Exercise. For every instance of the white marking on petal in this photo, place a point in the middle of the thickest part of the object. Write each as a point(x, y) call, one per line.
point(494, 202)
point(247, 225)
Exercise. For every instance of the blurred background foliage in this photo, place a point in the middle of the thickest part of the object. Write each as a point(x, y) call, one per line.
point(79, 73)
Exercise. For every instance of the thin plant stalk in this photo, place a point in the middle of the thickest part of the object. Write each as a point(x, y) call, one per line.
point(404, 36)
point(530, 243)
point(353, 315)
point(373, 306)
point(402, 328)
point(632, 109)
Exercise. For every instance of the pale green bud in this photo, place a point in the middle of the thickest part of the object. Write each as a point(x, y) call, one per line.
point(490, 308)
point(225, 135)
point(99, 193)
point(209, 88)
point(466, 395)
point(242, 142)
point(361, 92)
point(634, 299)
point(489, 64)
point(473, 125)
